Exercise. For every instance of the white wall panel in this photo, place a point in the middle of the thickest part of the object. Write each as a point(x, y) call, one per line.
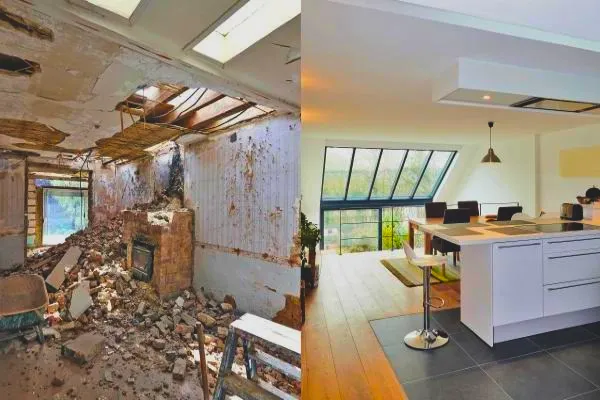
point(245, 192)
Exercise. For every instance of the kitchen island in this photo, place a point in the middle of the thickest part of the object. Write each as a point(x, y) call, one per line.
point(521, 280)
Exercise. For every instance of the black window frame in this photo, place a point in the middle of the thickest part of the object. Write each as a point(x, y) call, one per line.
point(390, 201)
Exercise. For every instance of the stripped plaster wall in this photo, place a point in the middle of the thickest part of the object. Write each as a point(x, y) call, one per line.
point(12, 212)
point(138, 182)
point(244, 188)
point(116, 188)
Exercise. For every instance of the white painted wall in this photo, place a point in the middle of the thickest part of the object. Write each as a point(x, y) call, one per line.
point(514, 179)
point(245, 193)
point(311, 164)
point(554, 189)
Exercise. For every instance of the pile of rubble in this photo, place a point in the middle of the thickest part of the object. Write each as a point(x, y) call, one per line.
point(97, 295)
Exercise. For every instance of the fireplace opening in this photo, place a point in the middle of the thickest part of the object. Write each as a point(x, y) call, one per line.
point(143, 260)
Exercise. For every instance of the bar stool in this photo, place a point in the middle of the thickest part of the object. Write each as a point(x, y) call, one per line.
point(426, 338)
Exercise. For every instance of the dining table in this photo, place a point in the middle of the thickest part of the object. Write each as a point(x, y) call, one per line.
point(415, 223)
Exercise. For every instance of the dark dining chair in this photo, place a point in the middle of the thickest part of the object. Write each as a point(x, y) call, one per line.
point(506, 213)
point(435, 209)
point(471, 205)
point(451, 216)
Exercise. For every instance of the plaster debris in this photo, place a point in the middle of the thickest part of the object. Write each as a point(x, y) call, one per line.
point(84, 348)
point(132, 324)
point(80, 300)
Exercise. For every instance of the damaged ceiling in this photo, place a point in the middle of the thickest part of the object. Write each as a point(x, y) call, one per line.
point(72, 90)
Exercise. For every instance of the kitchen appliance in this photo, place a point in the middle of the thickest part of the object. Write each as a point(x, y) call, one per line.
point(571, 212)
point(592, 195)
point(561, 227)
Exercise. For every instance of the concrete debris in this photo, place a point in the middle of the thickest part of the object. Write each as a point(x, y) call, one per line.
point(179, 369)
point(206, 320)
point(57, 276)
point(84, 348)
point(131, 323)
point(57, 382)
point(159, 344)
point(80, 300)
point(51, 332)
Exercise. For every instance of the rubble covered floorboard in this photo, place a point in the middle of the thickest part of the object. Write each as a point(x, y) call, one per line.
point(140, 328)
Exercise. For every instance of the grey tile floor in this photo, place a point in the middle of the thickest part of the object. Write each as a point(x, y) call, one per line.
point(557, 365)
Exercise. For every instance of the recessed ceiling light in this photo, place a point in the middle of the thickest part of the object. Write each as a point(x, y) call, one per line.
point(250, 23)
point(486, 97)
point(124, 8)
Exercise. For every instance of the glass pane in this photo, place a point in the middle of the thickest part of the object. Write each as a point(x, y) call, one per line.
point(359, 245)
point(359, 230)
point(337, 165)
point(360, 216)
point(434, 170)
point(390, 239)
point(415, 161)
point(386, 173)
point(331, 230)
point(65, 212)
point(363, 169)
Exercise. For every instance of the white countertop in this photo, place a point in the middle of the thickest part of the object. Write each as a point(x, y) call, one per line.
point(488, 236)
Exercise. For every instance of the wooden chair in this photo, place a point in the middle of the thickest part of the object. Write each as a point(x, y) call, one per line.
point(471, 205)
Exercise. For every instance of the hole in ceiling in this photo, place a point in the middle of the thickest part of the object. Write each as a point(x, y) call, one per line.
point(21, 24)
point(18, 66)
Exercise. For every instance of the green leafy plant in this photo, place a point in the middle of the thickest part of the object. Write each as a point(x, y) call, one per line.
point(310, 234)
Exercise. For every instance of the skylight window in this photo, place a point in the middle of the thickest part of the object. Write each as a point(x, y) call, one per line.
point(124, 8)
point(249, 24)
point(383, 175)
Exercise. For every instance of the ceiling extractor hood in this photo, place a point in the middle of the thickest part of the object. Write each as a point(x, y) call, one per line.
point(540, 103)
point(479, 83)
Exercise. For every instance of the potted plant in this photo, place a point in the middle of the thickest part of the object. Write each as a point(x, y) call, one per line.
point(310, 236)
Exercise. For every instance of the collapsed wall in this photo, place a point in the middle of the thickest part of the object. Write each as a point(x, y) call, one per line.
point(244, 190)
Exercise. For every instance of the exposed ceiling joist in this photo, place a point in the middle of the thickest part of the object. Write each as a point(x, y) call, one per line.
point(213, 122)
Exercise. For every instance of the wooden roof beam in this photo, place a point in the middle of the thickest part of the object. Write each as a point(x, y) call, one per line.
point(213, 122)
point(182, 117)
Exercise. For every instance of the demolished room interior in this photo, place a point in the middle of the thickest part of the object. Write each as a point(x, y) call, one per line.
point(158, 198)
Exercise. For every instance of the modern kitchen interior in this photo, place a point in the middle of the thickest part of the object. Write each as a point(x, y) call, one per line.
point(450, 167)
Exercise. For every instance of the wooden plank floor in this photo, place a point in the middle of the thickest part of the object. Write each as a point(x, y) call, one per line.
point(341, 356)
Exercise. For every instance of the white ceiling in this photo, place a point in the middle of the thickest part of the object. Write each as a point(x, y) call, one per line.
point(369, 73)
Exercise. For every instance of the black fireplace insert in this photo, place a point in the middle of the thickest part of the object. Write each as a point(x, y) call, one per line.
point(143, 260)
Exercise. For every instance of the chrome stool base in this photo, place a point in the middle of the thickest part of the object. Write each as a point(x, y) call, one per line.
point(425, 340)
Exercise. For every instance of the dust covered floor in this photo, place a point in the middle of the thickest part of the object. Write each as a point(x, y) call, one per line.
point(31, 371)
point(148, 346)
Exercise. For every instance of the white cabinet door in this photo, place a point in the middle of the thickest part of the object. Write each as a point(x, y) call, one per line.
point(517, 282)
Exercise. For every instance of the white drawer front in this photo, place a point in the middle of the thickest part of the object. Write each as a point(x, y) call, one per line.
point(559, 245)
point(571, 267)
point(573, 296)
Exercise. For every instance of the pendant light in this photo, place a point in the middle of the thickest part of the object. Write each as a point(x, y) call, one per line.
point(490, 157)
